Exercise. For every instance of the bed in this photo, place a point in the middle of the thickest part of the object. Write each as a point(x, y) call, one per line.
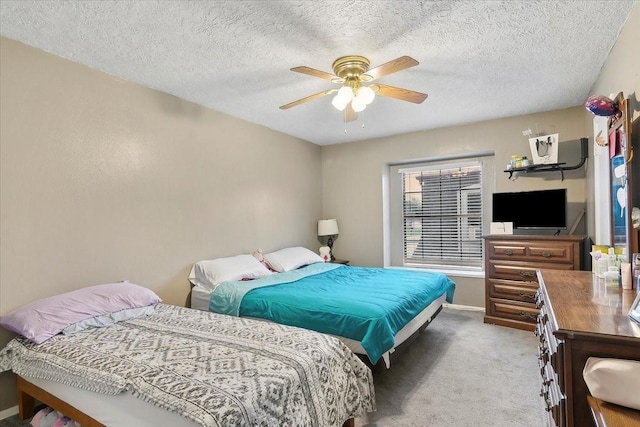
point(372, 310)
point(187, 367)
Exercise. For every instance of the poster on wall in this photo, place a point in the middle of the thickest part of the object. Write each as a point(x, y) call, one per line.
point(619, 199)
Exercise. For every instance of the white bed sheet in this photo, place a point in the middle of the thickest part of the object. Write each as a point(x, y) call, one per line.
point(121, 410)
point(200, 301)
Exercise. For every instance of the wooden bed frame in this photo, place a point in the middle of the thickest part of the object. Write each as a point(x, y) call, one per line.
point(28, 393)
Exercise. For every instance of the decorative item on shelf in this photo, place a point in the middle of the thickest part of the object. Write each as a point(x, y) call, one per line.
point(544, 149)
point(327, 234)
point(534, 167)
point(600, 105)
point(516, 161)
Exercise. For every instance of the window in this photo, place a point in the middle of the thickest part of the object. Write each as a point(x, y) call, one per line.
point(442, 215)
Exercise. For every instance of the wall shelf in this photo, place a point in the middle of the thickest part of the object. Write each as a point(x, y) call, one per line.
point(554, 167)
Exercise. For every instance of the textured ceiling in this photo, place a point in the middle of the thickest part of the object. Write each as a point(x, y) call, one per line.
point(479, 60)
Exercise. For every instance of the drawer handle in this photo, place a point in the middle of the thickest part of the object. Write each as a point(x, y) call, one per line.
point(527, 295)
point(527, 274)
point(546, 254)
point(508, 251)
point(528, 315)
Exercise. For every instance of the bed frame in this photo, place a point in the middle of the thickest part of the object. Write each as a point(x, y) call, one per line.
point(412, 334)
point(29, 393)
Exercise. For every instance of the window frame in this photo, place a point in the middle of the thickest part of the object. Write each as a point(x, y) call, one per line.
point(394, 200)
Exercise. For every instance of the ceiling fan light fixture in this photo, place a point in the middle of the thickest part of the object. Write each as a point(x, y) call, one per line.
point(352, 71)
point(338, 104)
point(358, 105)
point(342, 99)
point(366, 95)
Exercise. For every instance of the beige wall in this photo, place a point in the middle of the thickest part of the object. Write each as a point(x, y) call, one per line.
point(352, 178)
point(104, 180)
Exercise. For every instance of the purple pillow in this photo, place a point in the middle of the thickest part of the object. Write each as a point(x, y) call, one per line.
point(42, 319)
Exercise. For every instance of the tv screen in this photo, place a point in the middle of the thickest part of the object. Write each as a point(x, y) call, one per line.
point(542, 209)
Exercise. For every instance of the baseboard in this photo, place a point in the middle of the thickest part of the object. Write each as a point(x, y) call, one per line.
point(9, 412)
point(463, 307)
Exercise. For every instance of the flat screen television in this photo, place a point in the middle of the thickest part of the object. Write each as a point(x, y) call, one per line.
point(541, 209)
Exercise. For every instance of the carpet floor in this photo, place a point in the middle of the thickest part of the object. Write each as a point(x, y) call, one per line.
point(459, 372)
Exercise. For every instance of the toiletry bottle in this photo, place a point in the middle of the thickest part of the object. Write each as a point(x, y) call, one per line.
point(611, 278)
point(625, 270)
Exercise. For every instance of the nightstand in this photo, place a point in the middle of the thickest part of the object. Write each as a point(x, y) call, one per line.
point(340, 261)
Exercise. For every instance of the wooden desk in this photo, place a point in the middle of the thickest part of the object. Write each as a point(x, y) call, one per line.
point(579, 318)
point(607, 414)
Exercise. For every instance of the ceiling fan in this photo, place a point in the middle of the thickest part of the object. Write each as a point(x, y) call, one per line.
point(353, 72)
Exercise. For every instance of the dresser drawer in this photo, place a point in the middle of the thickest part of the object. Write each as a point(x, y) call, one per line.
point(523, 271)
point(513, 290)
point(535, 251)
point(511, 280)
point(514, 310)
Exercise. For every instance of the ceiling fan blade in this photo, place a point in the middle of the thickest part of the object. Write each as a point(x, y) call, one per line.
point(397, 64)
point(307, 99)
point(315, 73)
point(349, 114)
point(399, 93)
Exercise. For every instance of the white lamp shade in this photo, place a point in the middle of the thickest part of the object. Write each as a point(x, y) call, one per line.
point(358, 105)
point(366, 94)
point(342, 98)
point(327, 227)
point(339, 103)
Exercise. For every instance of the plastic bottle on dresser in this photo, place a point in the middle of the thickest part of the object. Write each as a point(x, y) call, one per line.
point(625, 273)
point(612, 277)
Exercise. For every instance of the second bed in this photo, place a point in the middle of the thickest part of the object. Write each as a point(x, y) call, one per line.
point(373, 310)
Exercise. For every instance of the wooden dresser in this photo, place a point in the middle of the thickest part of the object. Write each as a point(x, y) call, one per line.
point(579, 318)
point(510, 274)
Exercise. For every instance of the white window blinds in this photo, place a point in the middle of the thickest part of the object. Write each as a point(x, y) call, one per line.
point(442, 214)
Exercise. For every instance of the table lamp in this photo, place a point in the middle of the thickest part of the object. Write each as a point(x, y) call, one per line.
point(328, 233)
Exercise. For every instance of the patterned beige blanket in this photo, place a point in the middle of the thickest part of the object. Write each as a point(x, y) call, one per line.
point(214, 369)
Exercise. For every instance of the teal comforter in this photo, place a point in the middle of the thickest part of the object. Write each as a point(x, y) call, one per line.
point(369, 305)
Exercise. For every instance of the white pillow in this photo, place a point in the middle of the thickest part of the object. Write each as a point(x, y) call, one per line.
point(210, 273)
point(288, 259)
point(614, 380)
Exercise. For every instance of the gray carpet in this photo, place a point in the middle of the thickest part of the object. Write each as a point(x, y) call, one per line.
point(459, 372)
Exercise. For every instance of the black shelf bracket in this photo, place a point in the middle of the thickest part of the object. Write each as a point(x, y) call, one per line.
point(552, 167)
